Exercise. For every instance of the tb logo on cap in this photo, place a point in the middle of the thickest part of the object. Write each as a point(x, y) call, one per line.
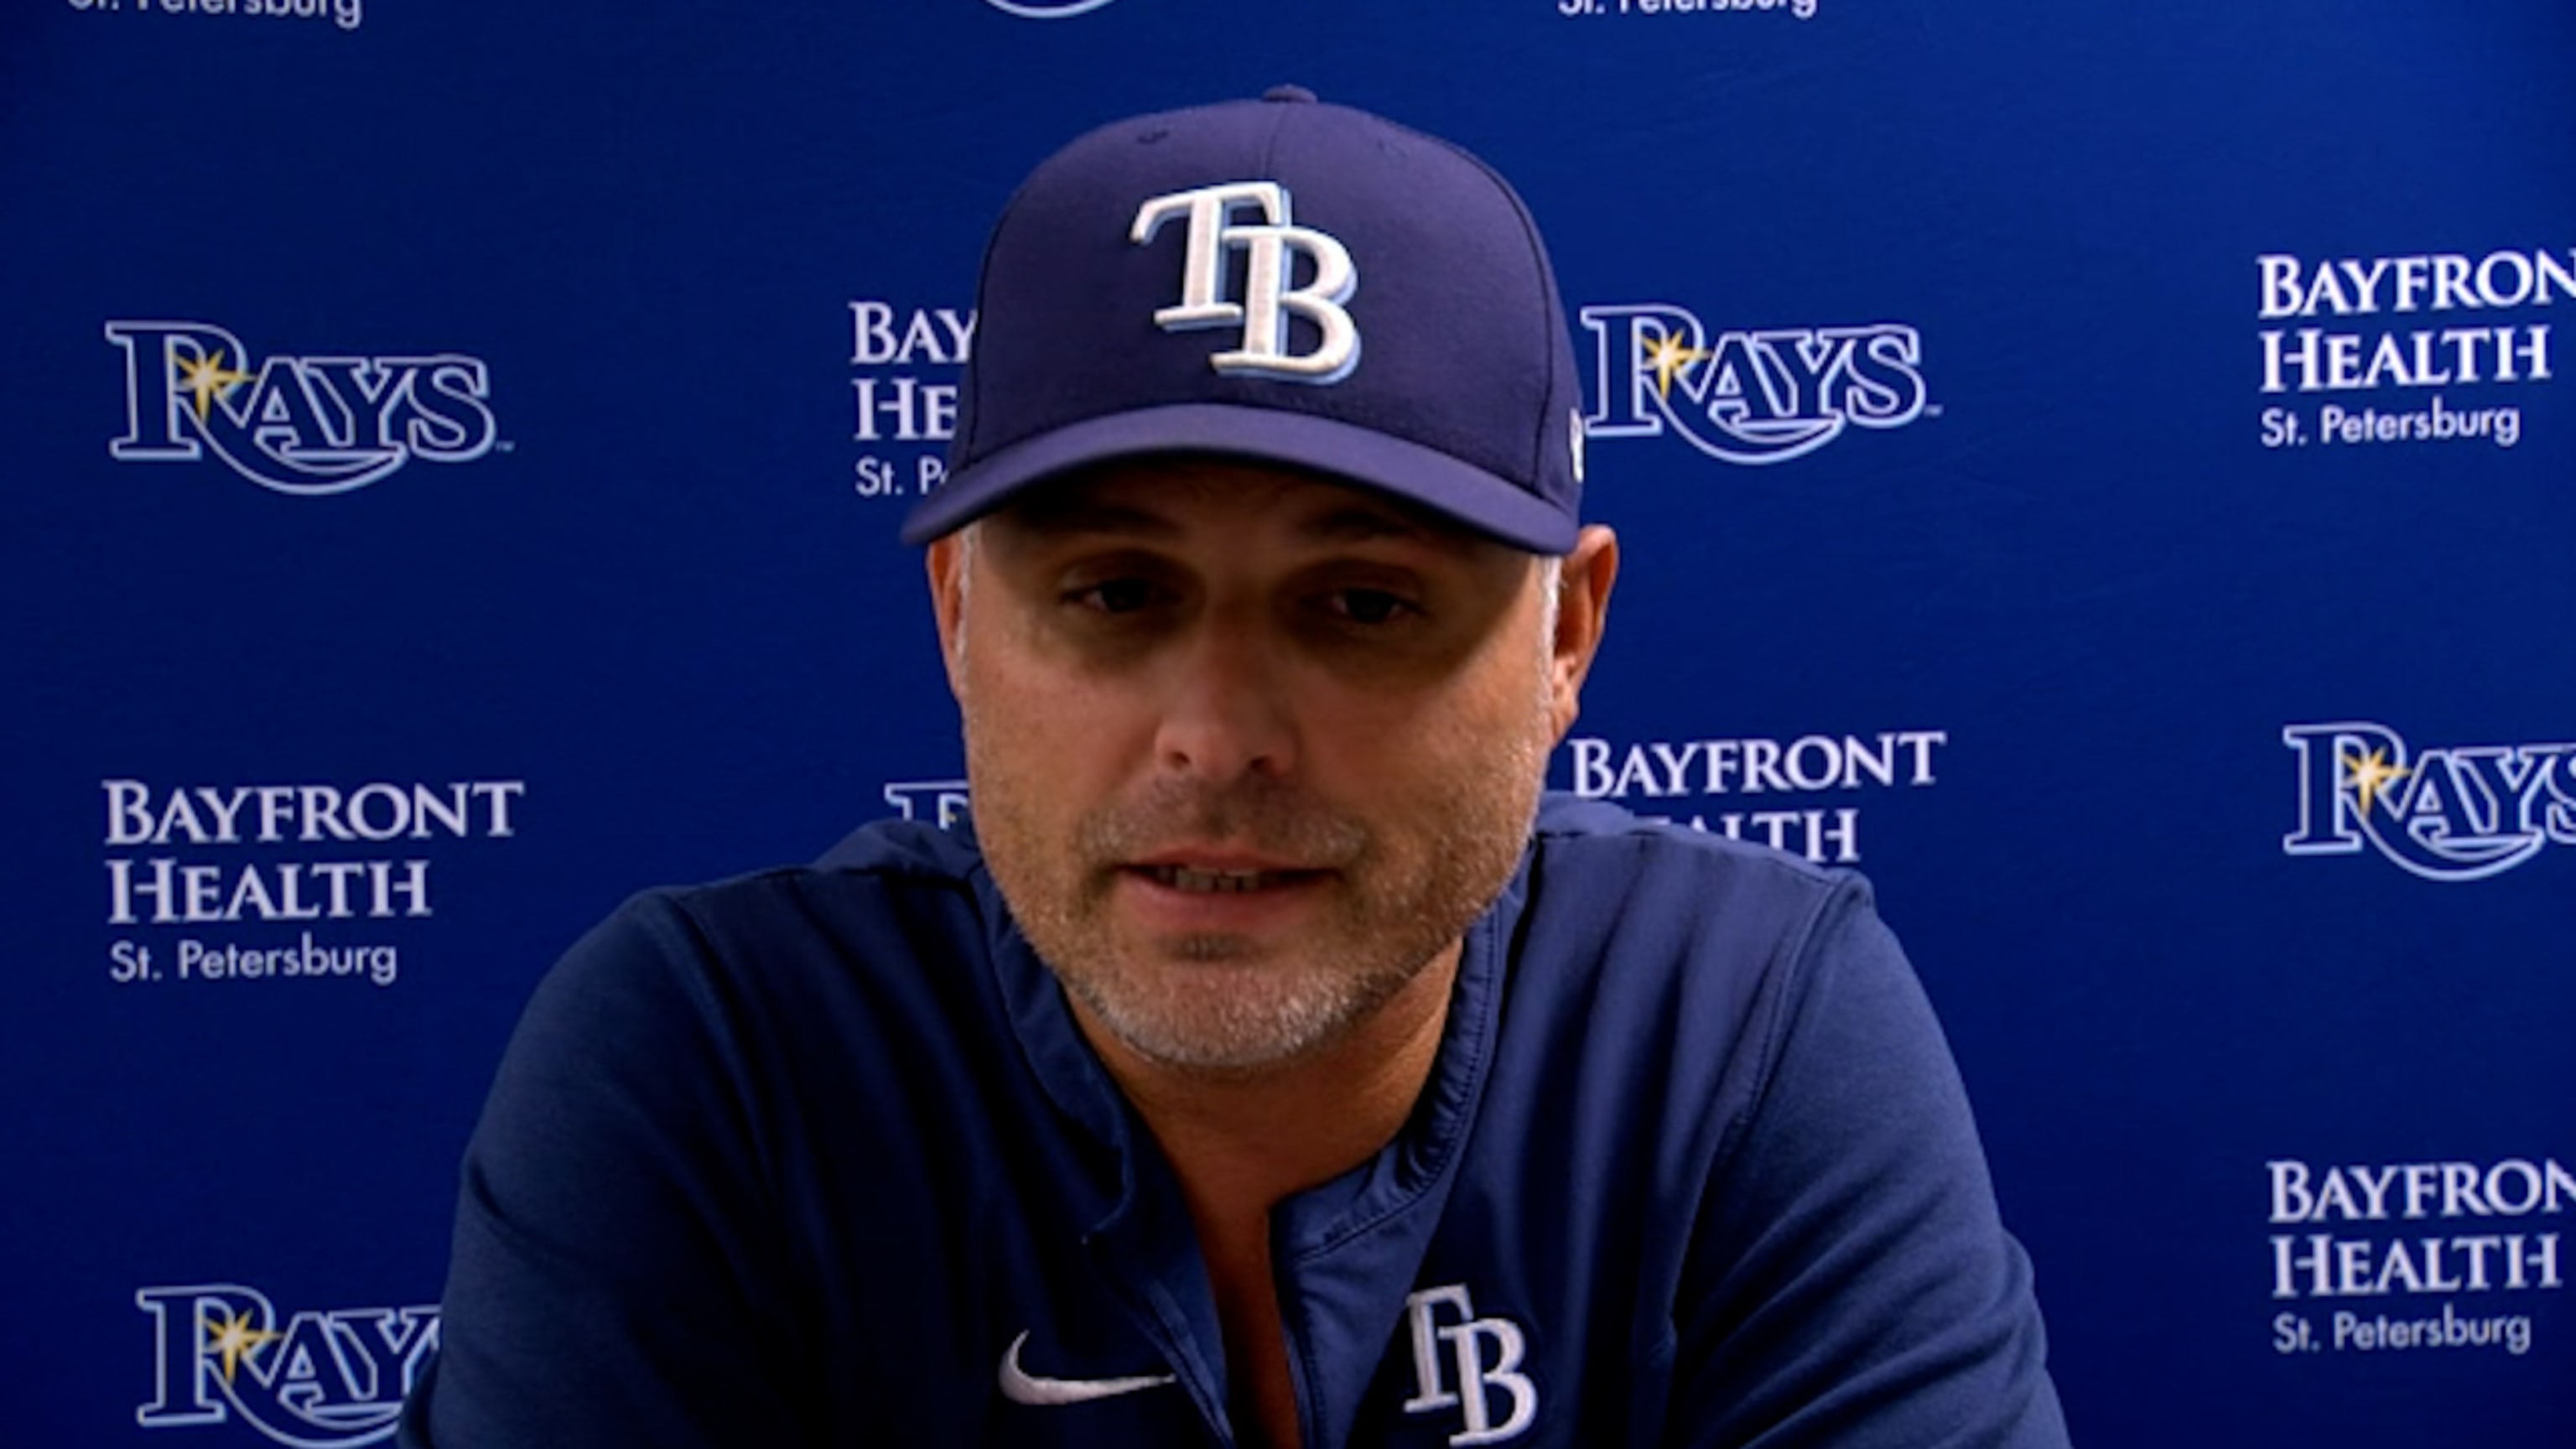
point(1270, 249)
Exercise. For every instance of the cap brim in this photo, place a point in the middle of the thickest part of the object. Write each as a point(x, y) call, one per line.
point(1427, 476)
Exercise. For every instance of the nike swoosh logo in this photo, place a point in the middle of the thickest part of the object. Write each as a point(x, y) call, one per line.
point(1022, 1387)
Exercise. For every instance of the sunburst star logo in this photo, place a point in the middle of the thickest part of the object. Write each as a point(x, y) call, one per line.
point(205, 379)
point(1667, 355)
point(232, 1336)
point(2369, 774)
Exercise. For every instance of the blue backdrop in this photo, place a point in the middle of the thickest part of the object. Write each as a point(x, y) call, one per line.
point(2103, 471)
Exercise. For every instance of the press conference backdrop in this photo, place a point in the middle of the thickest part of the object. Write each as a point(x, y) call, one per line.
point(2107, 472)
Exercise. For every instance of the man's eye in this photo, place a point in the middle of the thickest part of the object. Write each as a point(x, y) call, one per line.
point(1116, 596)
point(1368, 606)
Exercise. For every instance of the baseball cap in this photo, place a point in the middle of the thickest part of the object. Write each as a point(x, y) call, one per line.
point(1282, 280)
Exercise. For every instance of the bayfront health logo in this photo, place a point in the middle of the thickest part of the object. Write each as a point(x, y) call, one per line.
point(315, 1379)
point(317, 424)
point(347, 15)
point(1747, 396)
point(2413, 1256)
point(281, 882)
point(1787, 794)
point(2427, 347)
point(904, 364)
point(2449, 813)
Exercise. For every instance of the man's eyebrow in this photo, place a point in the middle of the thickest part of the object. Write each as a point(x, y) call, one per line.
point(1070, 515)
point(1358, 523)
point(1364, 522)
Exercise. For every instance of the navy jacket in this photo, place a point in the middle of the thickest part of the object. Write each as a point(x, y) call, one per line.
point(819, 1157)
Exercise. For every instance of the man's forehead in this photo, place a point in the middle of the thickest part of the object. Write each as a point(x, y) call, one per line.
point(1165, 496)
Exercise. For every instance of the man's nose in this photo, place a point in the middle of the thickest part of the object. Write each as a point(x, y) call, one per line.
point(1226, 711)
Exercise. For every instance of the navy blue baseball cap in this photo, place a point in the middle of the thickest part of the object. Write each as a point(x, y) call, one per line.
point(1281, 280)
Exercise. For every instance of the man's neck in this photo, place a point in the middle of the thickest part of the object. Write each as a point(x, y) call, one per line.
point(1241, 1140)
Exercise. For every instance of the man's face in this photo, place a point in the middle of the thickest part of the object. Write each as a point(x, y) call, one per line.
point(1249, 749)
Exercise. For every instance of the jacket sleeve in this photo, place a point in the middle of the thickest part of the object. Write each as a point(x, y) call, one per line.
point(608, 1280)
point(1849, 1282)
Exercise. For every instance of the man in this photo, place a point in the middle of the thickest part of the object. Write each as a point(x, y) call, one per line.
point(1268, 1066)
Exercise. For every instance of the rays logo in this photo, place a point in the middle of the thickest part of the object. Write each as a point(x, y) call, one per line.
point(2459, 813)
point(1046, 9)
point(1760, 396)
point(301, 425)
point(325, 1380)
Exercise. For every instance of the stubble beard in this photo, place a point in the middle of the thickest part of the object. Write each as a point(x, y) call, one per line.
point(1229, 1005)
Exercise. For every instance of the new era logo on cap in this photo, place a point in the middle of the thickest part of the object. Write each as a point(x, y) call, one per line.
point(1283, 280)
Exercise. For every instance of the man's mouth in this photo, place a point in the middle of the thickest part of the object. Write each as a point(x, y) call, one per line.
point(1222, 892)
point(1220, 882)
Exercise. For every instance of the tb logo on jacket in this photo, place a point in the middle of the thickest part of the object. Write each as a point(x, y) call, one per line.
point(1439, 1347)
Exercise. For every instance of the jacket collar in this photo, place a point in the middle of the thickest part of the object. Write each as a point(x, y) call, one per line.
point(1349, 1249)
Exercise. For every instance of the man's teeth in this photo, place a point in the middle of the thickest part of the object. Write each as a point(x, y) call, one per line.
point(1182, 877)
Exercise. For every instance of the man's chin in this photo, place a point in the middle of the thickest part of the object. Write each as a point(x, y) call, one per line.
point(1210, 1014)
point(1207, 948)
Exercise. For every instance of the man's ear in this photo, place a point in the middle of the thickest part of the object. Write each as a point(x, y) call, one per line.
point(1583, 582)
point(946, 562)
